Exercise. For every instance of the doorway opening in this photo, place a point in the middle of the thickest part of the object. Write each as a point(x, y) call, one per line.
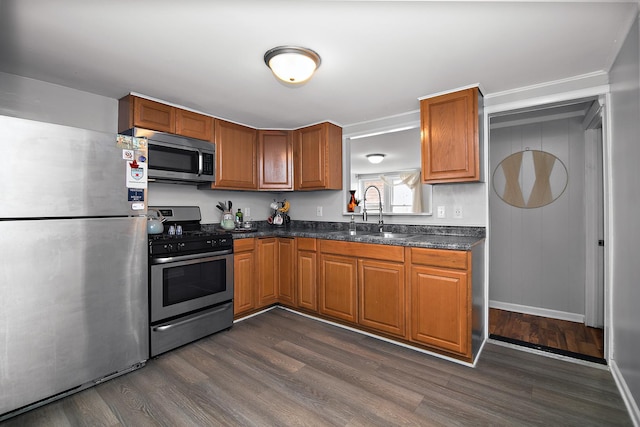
point(546, 215)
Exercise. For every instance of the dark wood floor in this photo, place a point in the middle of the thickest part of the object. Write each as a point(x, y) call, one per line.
point(282, 369)
point(561, 334)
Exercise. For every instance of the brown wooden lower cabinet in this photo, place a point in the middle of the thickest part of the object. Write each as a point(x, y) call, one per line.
point(364, 284)
point(287, 271)
point(440, 297)
point(338, 287)
point(307, 274)
point(244, 276)
point(418, 295)
point(268, 262)
point(382, 298)
point(264, 273)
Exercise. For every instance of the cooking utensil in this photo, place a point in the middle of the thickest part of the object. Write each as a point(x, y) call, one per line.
point(154, 226)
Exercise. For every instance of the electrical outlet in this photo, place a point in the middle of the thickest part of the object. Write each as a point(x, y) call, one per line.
point(247, 212)
point(318, 210)
point(441, 212)
point(457, 212)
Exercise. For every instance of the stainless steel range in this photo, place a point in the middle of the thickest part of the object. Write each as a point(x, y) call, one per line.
point(190, 280)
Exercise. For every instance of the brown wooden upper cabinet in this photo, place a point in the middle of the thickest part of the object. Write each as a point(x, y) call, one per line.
point(147, 114)
point(318, 157)
point(194, 125)
point(248, 159)
point(275, 160)
point(236, 150)
point(450, 137)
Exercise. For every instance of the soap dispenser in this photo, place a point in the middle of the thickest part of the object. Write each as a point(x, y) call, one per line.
point(352, 226)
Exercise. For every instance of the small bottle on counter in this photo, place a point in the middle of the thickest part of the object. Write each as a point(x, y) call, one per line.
point(352, 226)
point(239, 218)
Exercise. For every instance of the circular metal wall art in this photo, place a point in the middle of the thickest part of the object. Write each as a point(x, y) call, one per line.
point(530, 179)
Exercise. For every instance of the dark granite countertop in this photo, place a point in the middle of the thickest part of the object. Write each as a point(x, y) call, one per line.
point(420, 236)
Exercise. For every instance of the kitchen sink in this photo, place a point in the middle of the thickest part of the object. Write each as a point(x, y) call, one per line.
point(388, 235)
point(368, 234)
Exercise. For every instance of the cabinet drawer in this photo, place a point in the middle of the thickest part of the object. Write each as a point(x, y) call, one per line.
point(363, 250)
point(243, 245)
point(306, 244)
point(441, 258)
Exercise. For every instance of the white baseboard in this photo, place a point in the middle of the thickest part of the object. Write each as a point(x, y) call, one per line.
point(538, 311)
point(632, 406)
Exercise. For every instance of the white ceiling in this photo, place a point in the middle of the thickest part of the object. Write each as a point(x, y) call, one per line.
point(377, 57)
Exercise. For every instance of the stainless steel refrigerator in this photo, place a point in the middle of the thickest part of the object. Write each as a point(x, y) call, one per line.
point(73, 260)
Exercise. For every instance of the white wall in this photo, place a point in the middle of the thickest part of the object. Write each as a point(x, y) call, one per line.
point(46, 102)
point(470, 197)
point(537, 255)
point(625, 212)
point(189, 195)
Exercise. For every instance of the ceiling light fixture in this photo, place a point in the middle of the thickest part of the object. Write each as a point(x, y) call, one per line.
point(375, 158)
point(292, 64)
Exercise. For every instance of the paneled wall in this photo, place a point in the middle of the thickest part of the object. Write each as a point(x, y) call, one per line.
point(537, 255)
point(625, 211)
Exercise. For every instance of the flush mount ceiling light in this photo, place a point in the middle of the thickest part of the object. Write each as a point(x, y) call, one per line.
point(292, 64)
point(375, 158)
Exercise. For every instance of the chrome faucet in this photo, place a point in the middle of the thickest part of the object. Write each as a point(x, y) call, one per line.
point(364, 207)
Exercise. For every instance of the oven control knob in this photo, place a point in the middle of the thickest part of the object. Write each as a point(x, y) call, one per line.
point(214, 242)
point(169, 247)
point(179, 246)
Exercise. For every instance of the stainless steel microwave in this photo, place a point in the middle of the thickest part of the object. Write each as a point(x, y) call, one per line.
point(178, 159)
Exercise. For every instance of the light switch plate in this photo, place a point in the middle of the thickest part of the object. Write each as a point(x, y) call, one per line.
point(441, 211)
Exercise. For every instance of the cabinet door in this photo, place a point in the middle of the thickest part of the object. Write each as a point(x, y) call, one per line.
point(318, 153)
point(194, 125)
point(287, 266)
point(153, 115)
point(382, 296)
point(450, 139)
point(244, 268)
point(440, 308)
point(338, 287)
point(235, 156)
point(307, 280)
point(268, 271)
point(275, 160)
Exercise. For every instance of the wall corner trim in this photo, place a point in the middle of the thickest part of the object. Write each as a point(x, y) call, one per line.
point(629, 401)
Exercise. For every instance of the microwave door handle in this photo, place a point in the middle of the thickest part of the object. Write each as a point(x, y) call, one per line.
point(200, 162)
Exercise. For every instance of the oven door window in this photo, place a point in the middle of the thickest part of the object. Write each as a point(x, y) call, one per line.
point(193, 281)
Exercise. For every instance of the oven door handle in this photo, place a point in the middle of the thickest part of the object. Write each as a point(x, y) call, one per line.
point(190, 319)
point(190, 257)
